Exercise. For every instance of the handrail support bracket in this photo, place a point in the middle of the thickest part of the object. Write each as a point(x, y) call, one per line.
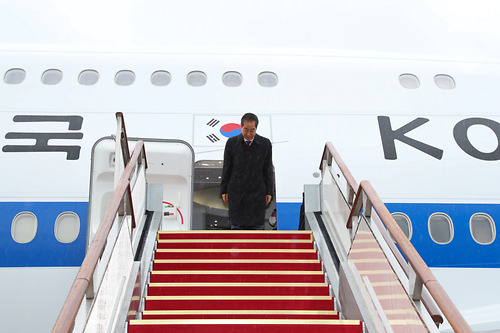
point(367, 206)
point(416, 284)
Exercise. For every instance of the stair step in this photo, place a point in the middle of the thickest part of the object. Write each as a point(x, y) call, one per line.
point(301, 254)
point(244, 326)
point(239, 303)
point(227, 289)
point(232, 234)
point(259, 276)
point(238, 282)
point(242, 314)
point(234, 244)
point(230, 264)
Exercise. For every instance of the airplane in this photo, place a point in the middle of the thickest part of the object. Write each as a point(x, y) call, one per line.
point(406, 92)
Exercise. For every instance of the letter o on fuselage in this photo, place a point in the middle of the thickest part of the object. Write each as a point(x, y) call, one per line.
point(462, 140)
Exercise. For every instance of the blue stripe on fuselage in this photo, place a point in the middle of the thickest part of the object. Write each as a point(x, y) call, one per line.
point(462, 251)
point(288, 215)
point(44, 250)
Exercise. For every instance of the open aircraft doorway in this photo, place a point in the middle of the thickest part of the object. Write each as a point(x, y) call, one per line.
point(210, 212)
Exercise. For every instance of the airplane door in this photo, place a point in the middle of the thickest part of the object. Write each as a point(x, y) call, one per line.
point(170, 163)
point(210, 212)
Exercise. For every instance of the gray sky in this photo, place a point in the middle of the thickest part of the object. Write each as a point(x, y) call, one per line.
point(448, 28)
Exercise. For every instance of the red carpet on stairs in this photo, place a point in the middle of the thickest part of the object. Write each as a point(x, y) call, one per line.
point(238, 281)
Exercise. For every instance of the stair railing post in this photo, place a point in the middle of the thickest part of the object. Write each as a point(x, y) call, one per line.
point(350, 194)
point(329, 157)
point(90, 294)
point(353, 220)
point(367, 206)
point(416, 284)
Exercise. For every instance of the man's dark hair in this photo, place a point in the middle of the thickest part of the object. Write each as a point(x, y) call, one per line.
point(249, 117)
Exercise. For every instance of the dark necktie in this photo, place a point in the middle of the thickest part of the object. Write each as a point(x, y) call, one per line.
point(248, 144)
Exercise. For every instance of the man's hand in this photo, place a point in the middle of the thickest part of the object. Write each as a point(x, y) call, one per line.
point(268, 199)
point(224, 197)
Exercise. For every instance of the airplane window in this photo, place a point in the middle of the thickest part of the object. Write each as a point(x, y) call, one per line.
point(52, 77)
point(161, 78)
point(67, 227)
point(404, 223)
point(409, 81)
point(232, 79)
point(482, 228)
point(14, 76)
point(88, 77)
point(444, 81)
point(268, 79)
point(24, 227)
point(125, 78)
point(197, 79)
point(441, 228)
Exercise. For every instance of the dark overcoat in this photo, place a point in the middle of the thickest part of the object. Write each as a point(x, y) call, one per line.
point(247, 177)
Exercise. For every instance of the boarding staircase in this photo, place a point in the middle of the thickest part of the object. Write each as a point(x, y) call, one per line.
point(352, 271)
point(224, 281)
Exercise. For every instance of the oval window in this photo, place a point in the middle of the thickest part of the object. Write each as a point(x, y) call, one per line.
point(88, 77)
point(232, 79)
point(482, 228)
point(197, 79)
point(52, 77)
point(444, 81)
point(441, 228)
point(268, 79)
point(409, 81)
point(14, 76)
point(404, 223)
point(24, 227)
point(125, 78)
point(161, 78)
point(67, 227)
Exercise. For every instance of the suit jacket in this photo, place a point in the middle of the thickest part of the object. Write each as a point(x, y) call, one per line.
point(247, 177)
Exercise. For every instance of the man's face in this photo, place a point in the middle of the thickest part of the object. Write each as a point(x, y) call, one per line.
point(248, 130)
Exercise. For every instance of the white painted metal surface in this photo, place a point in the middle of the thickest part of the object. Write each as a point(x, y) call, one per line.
point(479, 305)
point(109, 297)
point(18, 287)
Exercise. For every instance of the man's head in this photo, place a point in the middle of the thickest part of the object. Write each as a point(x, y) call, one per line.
point(249, 123)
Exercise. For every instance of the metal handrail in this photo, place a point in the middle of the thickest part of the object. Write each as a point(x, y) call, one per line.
point(330, 152)
point(426, 299)
point(123, 138)
point(72, 304)
point(450, 311)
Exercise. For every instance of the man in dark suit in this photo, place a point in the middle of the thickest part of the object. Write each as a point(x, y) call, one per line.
point(247, 176)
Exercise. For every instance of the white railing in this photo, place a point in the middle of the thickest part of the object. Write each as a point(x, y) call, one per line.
point(98, 290)
point(343, 200)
